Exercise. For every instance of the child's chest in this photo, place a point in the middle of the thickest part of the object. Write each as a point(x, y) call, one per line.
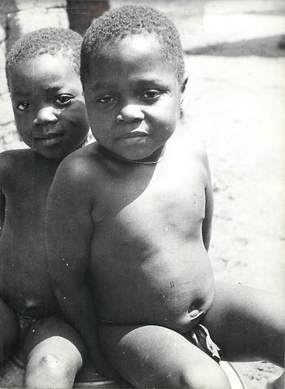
point(164, 200)
point(26, 196)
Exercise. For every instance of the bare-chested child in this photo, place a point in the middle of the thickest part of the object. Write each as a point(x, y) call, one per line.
point(130, 216)
point(43, 77)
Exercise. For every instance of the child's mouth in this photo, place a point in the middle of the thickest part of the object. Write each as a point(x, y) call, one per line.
point(49, 139)
point(136, 134)
point(133, 136)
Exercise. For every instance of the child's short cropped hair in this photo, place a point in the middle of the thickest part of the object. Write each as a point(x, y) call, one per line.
point(50, 40)
point(129, 20)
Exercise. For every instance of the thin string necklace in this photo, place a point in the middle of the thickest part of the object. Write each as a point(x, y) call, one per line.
point(144, 162)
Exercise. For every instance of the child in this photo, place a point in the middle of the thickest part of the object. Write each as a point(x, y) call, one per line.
point(43, 77)
point(131, 217)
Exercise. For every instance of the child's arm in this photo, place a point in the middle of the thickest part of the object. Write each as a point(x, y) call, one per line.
point(2, 209)
point(69, 233)
point(2, 197)
point(209, 205)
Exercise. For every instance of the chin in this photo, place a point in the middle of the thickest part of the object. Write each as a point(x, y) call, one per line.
point(137, 154)
point(51, 154)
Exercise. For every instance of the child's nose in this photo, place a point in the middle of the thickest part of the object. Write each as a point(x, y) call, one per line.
point(130, 113)
point(46, 115)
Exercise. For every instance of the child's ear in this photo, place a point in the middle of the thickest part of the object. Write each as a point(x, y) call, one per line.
point(183, 86)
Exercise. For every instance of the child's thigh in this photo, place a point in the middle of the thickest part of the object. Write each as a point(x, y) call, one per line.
point(53, 335)
point(8, 330)
point(247, 323)
point(153, 356)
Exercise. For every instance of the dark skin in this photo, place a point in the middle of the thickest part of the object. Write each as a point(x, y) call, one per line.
point(117, 298)
point(120, 188)
point(31, 179)
point(129, 225)
point(51, 119)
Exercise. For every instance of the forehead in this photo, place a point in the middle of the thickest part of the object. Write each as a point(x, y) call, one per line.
point(43, 71)
point(132, 56)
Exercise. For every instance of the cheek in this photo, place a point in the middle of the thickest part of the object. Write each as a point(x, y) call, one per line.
point(173, 113)
point(100, 123)
point(74, 113)
point(81, 118)
point(167, 115)
point(90, 103)
point(76, 116)
point(24, 126)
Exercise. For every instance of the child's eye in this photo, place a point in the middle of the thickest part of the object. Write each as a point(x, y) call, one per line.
point(151, 95)
point(63, 99)
point(22, 106)
point(107, 99)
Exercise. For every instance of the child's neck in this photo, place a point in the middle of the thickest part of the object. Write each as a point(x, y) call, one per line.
point(155, 158)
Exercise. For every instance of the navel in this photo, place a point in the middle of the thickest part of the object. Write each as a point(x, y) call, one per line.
point(195, 311)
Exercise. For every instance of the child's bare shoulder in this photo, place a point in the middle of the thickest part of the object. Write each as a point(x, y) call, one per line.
point(194, 146)
point(200, 152)
point(194, 150)
point(14, 161)
point(80, 165)
point(202, 155)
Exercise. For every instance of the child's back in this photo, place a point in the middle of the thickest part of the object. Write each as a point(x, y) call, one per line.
point(43, 78)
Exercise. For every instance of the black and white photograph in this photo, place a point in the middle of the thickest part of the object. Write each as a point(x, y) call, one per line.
point(142, 194)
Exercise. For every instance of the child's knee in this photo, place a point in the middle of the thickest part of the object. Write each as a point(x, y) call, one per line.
point(48, 368)
point(212, 378)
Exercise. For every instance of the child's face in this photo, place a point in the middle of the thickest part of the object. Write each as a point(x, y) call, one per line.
point(132, 97)
point(48, 105)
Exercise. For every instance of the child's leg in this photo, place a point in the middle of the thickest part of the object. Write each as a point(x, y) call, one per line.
point(153, 356)
point(8, 331)
point(54, 354)
point(248, 324)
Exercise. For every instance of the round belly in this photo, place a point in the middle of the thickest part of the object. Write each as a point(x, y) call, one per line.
point(24, 281)
point(170, 290)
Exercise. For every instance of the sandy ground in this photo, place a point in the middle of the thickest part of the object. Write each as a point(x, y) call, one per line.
point(235, 101)
point(241, 117)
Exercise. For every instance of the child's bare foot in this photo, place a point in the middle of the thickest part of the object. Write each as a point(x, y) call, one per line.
point(276, 383)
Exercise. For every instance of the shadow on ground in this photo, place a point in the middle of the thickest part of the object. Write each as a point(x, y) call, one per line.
point(271, 47)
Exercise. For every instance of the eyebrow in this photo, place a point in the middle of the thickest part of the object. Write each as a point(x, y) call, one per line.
point(49, 89)
point(52, 88)
point(100, 84)
point(140, 81)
